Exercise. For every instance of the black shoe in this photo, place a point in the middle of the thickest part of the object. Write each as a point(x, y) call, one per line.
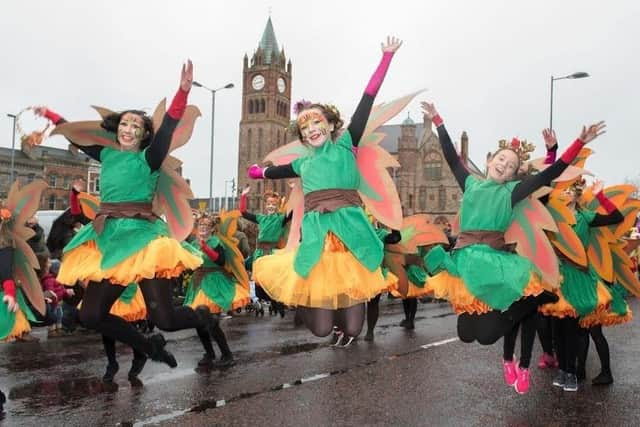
point(112, 370)
point(208, 360)
point(407, 324)
point(368, 336)
point(603, 378)
point(404, 323)
point(158, 353)
point(226, 361)
point(137, 365)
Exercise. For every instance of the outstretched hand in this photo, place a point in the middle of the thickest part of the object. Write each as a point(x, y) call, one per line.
point(550, 139)
point(40, 110)
point(246, 190)
point(12, 305)
point(592, 132)
point(597, 186)
point(429, 110)
point(392, 44)
point(186, 76)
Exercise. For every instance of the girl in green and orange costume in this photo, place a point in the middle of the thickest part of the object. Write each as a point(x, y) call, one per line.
point(128, 243)
point(272, 227)
point(491, 288)
point(220, 284)
point(336, 267)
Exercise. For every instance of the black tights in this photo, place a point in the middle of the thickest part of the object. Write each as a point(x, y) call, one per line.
point(568, 331)
point(602, 347)
point(110, 350)
point(489, 327)
point(410, 306)
point(100, 296)
point(545, 333)
point(373, 312)
point(527, 338)
point(321, 321)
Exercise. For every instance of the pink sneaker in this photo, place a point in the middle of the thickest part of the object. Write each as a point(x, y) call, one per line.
point(510, 372)
point(547, 361)
point(522, 382)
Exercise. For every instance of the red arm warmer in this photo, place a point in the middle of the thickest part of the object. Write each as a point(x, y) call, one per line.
point(551, 155)
point(74, 204)
point(9, 287)
point(178, 105)
point(606, 203)
point(243, 203)
point(212, 254)
point(378, 75)
point(437, 120)
point(53, 116)
point(572, 152)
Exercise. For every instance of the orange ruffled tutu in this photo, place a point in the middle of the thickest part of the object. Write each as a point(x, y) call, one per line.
point(134, 311)
point(163, 257)
point(562, 308)
point(241, 299)
point(338, 280)
point(452, 288)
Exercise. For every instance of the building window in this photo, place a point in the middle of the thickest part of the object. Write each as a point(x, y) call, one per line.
point(53, 181)
point(433, 166)
point(250, 106)
point(31, 177)
point(422, 198)
point(442, 198)
point(260, 144)
point(249, 145)
point(262, 109)
point(410, 201)
point(66, 181)
point(52, 202)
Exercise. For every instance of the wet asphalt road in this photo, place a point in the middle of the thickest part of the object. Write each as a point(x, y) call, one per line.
point(286, 376)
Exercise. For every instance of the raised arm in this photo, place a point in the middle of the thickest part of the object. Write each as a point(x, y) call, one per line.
point(243, 206)
point(450, 154)
point(361, 115)
point(159, 148)
point(613, 216)
point(533, 182)
point(92, 151)
point(215, 254)
point(271, 172)
point(551, 143)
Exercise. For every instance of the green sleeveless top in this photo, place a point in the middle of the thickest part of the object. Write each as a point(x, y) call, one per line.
point(486, 205)
point(270, 228)
point(582, 226)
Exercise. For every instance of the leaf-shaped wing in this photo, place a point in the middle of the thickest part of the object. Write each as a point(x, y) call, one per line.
point(86, 133)
point(184, 130)
point(617, 194)
point(377, 189)
point(104, 112)
point(24, 265)
point(229, 222)
point(630, 210)
point(89, 204)
point(599, 252)
point(158, 114)
point(527, 230)
point(419, 230)
point(172, 200)
point(233, 259)
point(23, 202)
point(394, 261)
point(622, 269)
point(287, 153)
point(566, 240)
point(382, 113)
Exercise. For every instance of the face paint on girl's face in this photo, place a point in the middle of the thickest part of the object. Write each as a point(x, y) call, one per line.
point(204, 229)
point(271, 205)
point(130, 130)
point(314, 127)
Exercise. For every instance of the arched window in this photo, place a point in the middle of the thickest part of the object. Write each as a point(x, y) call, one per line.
point(249, 145)
point(278, 140)
point(433, 166)
point(442, 198)
point(53, 180)
point(52, 202)
point(251, 106)
point(262, 109)
point(259, 144)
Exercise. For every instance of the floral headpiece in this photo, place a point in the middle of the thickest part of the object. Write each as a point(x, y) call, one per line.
point(271, 194)
point(522, 148)
point(578, 185)
point(301, 106)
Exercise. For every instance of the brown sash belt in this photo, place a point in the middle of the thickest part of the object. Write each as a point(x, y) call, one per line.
point(139, 210)
point(267, 246)
point(199, 274)
point(324, 201)
point(494, 239)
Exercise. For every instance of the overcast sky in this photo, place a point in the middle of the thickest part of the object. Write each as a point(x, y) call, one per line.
point(487, 65)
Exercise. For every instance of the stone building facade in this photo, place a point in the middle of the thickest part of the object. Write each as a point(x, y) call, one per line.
point(57, 167)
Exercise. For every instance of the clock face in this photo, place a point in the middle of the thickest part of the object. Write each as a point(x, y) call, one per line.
point(281, 85)
point(258, 82)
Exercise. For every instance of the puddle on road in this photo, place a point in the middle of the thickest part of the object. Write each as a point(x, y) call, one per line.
point(62, 391)
point(297, 348)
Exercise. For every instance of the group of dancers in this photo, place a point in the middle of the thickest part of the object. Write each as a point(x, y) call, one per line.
point(326, 256)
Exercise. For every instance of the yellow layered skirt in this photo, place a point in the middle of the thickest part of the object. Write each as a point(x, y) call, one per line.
point(452, 288)
point(163, 257)
point(20, 327)
point(241, 299)
point(562, 308)
point(338, 280)
point(134, 311)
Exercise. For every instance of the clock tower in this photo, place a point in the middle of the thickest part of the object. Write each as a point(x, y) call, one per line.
point(266, 106)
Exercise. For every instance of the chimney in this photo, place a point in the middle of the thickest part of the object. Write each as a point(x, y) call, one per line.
point(464, 147)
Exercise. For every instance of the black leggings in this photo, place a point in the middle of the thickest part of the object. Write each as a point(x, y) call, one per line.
point(373, 312)
point(602, 347)
point(410, 306)
point(527, 338)
point(100, 296)
point(110, 350)
point(545, 333)
point(568, 331)
point(321, 321)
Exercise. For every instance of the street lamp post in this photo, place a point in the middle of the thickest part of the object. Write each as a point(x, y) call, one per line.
point(233, 187)
point(578, 75)
point(213, 110)
point(13, 147)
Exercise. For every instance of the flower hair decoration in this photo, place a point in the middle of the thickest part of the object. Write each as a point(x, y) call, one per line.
point(521, 147)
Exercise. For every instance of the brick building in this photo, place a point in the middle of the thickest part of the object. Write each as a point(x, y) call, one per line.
point(57, 167)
